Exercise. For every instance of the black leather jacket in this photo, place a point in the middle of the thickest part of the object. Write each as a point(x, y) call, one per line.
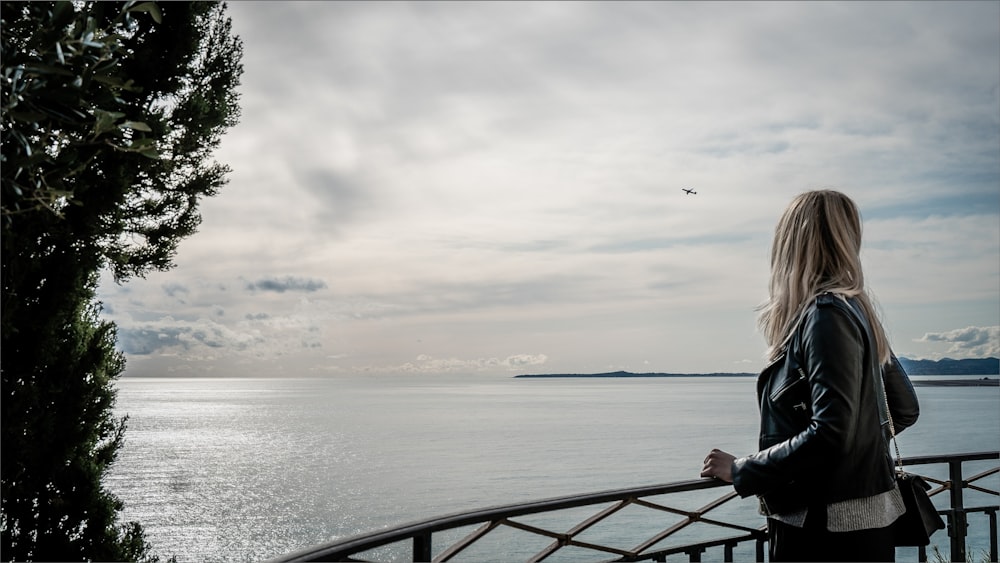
point(824, 436)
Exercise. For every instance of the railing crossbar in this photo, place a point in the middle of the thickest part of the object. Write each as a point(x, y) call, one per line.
point(718, 502)
point(968, 483)
point(536, 530)
point(933, 492)
point(468, 540)
point(598, 547)
point(583, 526)
point(987, 473)
point(663, 508)
point(722, 524)
point(600, 516)
point(982, 489)
point(690, 518)
point(549, 550)
point(657, 538)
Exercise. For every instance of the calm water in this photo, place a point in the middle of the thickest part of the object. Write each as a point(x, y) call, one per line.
point(247, 469)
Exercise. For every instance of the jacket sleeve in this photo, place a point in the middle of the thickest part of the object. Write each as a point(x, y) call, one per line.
point(903, 405)
point(833, 357)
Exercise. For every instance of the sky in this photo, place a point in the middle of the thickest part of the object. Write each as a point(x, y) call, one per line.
point(496, 188)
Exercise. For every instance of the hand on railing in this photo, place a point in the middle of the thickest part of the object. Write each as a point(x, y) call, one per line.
point(719, 465)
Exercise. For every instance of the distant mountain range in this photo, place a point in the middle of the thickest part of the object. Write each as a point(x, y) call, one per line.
point(947, 366)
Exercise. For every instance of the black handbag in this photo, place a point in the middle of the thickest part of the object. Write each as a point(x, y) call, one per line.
point(921, 519)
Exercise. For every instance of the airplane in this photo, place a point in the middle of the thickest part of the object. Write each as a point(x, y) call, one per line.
point(689, 191)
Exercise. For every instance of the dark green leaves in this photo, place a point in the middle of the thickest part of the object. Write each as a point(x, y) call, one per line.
point(109, 113)
point(150, 7)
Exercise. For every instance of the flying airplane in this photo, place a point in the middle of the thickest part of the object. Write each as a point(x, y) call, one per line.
point(689, 191)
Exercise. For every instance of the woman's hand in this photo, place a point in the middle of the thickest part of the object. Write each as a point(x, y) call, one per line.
point(719, 465)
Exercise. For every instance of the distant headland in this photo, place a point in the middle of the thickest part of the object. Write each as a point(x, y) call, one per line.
point(944, 367)
point(630, 374)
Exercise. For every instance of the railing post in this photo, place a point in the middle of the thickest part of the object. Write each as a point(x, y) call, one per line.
point(993, 534)
point(958, 527)
point(422, 547)
point(727, 553)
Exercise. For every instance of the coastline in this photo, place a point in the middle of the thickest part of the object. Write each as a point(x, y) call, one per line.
point(981, 382)
point(630, 374)
point(952, 381)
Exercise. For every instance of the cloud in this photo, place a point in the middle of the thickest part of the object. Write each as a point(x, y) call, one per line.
point(170, 335)
point(496, 177)
point(174, 289)
point(429, 364)
point(971, 341)
point(343, 197)
point(522, 360)
point(287, 283)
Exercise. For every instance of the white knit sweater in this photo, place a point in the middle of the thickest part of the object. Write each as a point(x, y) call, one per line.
point(855, 514)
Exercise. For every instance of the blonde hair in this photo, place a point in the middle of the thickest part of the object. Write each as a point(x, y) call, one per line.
point(816, 250)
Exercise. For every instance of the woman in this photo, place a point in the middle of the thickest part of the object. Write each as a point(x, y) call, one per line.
point(824, 473)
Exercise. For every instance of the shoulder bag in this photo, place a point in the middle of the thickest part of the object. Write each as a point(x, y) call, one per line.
point(921, 519)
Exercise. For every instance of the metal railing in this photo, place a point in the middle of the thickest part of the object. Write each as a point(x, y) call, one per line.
point(732, 529)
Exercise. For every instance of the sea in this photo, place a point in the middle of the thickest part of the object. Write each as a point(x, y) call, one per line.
point(251, 469)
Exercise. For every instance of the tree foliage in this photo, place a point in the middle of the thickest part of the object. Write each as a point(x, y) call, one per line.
point(110, 114)
point(118, 116)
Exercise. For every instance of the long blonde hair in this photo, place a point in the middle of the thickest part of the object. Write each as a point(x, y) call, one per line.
point(816, 250)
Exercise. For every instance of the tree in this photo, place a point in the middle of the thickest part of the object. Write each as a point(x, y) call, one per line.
point(110, 114)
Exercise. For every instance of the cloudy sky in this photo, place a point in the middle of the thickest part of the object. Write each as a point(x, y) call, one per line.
point(496, 188)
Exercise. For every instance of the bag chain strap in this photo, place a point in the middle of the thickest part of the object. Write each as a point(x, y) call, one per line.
point(892, 429)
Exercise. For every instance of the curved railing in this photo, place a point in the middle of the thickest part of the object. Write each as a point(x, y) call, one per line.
point(733, 527)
